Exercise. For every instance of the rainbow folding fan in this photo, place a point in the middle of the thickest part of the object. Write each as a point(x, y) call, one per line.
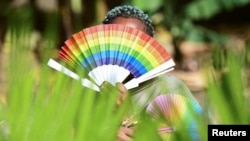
point(112, 52)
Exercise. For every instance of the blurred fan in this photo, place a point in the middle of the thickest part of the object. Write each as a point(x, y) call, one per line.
point(177, 112)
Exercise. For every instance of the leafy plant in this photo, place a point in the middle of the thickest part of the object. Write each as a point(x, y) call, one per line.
point(180, 16)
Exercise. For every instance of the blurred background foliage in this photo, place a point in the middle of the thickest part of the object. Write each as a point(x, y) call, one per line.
point(209, 40)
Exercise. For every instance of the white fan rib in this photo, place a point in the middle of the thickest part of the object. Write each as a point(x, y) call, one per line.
point(161, 69)
point(85, 82)
point(113, 77)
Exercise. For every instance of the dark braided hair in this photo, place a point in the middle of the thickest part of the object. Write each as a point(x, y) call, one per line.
point(128, 11)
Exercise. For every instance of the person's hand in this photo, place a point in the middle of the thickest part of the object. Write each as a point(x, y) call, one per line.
point(125, 133)
point(122, 93)
point(118, 93)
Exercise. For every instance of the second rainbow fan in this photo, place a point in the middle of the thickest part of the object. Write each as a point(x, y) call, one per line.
point(112, 52)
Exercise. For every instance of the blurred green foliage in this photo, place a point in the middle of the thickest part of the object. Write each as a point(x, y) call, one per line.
point(180, 16)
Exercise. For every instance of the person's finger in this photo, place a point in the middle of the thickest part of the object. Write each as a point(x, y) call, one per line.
point(125, 134)
point(121, 87)
point(123, 137)
point(123, 92)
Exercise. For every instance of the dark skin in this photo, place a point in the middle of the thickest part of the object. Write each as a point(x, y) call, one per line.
point(125, 133)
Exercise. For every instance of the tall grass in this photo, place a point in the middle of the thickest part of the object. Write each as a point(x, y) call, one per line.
point(52, 106)
point(227, 91)
point(55, 107)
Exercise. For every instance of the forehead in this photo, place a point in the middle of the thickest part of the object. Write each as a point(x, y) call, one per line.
point(132, 22)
